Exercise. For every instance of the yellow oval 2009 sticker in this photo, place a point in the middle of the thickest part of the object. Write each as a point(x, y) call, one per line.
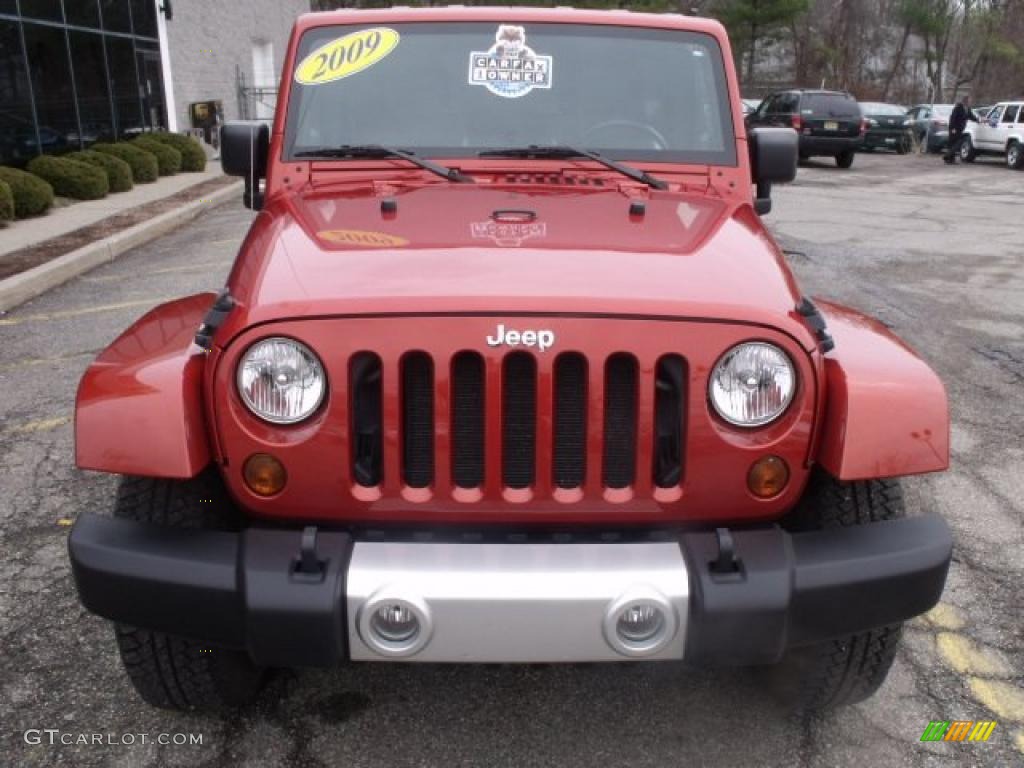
point(346, 56)
point(363, 238)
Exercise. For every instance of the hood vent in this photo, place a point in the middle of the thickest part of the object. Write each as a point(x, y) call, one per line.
point(554, 179)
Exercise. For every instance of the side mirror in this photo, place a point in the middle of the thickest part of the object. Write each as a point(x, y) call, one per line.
point(773, 159)
point(244, 147)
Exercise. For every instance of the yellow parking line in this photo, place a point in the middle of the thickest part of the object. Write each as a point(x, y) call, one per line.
point(967, 657)
point(39, 425)
point(187, 267)
point(78, 312)
point(1005, 699)
point(945, 616)
point(164, 271)
point(29, 362)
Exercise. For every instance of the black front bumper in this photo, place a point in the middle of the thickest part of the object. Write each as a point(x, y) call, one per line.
point(251, 591)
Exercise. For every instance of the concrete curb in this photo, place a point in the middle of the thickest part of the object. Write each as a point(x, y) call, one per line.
point(26, 285)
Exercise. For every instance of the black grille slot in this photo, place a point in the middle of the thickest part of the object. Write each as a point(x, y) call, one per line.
point(468, 420)
point(620, 405)
point(570, 421)
point(367, 418)
point(417, 419)
point(669, 388)
point(519, 418)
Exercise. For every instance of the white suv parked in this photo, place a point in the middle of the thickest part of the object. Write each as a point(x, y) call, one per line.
point(1001, 132)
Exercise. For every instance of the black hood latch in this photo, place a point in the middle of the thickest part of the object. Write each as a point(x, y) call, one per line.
point(810, 313)
point(221, 308)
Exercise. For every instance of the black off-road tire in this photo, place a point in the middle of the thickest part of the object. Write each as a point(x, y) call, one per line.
point(845, 159)
point(849, 669)
point(966, 151)
point(1015, 155)
point(174, 672)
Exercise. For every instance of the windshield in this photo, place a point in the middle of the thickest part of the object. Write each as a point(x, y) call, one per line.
point(455, 89)
point(874, 108)
point(830, 105)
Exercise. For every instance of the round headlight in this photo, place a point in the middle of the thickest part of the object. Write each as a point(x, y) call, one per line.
point(281, 380)
point(752, 384)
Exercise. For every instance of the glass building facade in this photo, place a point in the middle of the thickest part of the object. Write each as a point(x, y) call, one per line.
point(74, 72)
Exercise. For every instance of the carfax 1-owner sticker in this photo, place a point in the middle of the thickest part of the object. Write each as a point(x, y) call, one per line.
point(510, 68)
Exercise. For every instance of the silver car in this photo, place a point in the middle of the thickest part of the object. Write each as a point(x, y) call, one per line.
point(930, 125)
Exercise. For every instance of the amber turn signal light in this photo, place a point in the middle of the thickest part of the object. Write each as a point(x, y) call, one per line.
point(767, 477)
point(264, 475)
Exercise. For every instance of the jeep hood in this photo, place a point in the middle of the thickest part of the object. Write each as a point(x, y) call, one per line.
point(460, 248)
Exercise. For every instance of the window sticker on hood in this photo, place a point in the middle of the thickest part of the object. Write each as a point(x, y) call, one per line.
point(346, 56)
point(362, 238)
point(510, 68)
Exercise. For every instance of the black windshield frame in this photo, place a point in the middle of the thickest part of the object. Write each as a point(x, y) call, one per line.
point(726, 156)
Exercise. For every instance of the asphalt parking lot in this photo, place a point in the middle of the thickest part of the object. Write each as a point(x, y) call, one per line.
point(935, 252)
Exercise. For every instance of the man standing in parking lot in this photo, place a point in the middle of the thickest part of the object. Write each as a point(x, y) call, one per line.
point(957, 123)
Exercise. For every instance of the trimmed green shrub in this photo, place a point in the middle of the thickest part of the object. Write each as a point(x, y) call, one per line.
point(119, 173)
point(6, 203)
point(70, 178)
point(168, 159)
point(142, 163)
point(193, 158)
point(32, 195)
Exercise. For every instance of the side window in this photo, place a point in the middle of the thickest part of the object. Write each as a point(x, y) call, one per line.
point(1010, 115)
point(789, 103)
point(768, 105)
point(994, 115)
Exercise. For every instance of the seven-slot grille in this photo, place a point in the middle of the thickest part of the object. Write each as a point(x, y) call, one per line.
point(521, 423)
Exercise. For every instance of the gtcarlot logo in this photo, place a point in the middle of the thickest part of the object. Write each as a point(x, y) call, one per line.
point(54, 737)
point(958, 730)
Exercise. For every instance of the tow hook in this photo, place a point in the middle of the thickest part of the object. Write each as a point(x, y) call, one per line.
point(726, 567)
point(308, 567)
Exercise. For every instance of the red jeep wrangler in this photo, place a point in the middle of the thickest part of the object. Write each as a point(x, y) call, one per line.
point(508, 369)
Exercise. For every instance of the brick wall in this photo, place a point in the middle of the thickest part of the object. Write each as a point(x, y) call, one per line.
point(207, 39)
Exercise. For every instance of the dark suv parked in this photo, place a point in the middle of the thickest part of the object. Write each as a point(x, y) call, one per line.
point(829, 122)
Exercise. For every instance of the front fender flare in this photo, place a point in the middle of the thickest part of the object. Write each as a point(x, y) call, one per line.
point(139, 409)
point(886, 411)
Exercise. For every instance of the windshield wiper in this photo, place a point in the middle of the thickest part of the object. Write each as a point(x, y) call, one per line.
point(535, 151)
point(357, 151)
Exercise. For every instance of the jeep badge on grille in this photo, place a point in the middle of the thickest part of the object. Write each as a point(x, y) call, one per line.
point(542, 339)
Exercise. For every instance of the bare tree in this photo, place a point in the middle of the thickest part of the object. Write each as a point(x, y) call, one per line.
point(878, 49)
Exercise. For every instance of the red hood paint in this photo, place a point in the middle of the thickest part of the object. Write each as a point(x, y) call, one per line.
point(445, 250)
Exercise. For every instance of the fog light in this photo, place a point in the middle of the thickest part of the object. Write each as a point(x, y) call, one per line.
point(394, 623)
point(264, 475)
point(639, 622)
point(768, 477)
